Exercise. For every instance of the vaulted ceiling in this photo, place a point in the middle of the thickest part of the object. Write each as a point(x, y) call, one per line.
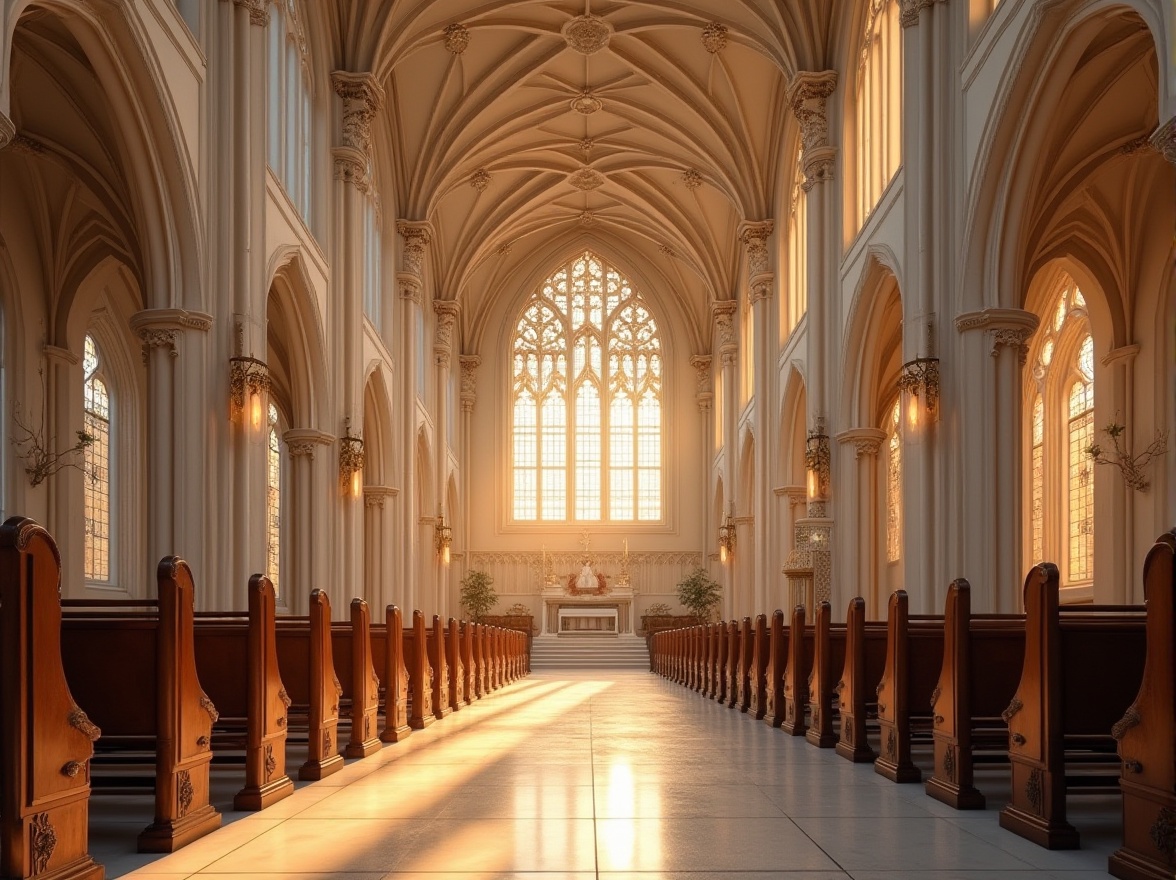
point(518, 129)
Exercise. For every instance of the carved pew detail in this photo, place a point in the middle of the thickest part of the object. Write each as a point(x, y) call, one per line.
point(746, 667)
point(757, 673)
point(420, 674)
point(1144, 734)
point(323, 757)
point(828, 661)
point(457, 696)
point(480, 681)
point(722, 662)
point(796, 675)
point(865, 656)
point(467, 659)
point(774, 676)
point(365, 686)
point(46, 741)
point(396, 726)
point(438, 660)
point(734, 661)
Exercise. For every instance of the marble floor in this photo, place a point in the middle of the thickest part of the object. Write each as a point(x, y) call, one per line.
point(610, 775)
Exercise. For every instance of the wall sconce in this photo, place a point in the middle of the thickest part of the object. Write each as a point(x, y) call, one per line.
point(727, 536)
point(919, 384)
point(249, 382)
point(816, 462)
point(442, 537)
point(350, 462)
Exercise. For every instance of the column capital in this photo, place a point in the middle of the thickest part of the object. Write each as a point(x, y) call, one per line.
point(62, 355)
point(1163, 139)
point(868, 441)
point(808, 96)
point(702, 369)
point(723, 312)
point(415, 237)
point(469, 380)
point(447, 311)
point(258, 11)
point(1011, 327)
point(754, 235)
point(1124, 354)
point(302, 441)
point(911, 9)
point(374, 496)
point(171, 319)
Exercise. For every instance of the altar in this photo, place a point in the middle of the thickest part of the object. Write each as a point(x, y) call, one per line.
point(591, 614)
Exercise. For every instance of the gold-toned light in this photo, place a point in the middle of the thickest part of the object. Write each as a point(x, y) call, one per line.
point(249, 382)
point(727, 537)
point(919, 383)
point(442, 537)
point(817, 463)
point(351, 463)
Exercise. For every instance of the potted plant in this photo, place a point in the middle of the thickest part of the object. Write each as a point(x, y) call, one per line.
point(699, 594)
point(477, 596)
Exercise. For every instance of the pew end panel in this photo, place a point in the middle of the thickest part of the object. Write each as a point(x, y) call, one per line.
point(1146, 744)
point(396, 726)
point(828, 656)
point(774, 675)
point(365, 686)
point(46, 741)
point(796, 674)
point(325, 691)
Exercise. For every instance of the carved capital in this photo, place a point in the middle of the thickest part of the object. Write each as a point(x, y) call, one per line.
point(754, 238)
point(911, 9)
point(447, 311)
point(7, 131)
point(702, 370)
point(1163, 139)
point(362, 97)
point(350, 167)
point(374, 496)
point(1014, 337)
point(866, 441)
point(258, 11)
point(723, 313)
point(415, 237)
point(808, 96)
point(469, 380)
point(301, 442)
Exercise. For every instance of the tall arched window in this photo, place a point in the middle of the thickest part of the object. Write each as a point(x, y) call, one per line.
point(879, 104)
point(96, 487)
point(1061, 420)
point(288, 116)
point(586, 400)
point(894, 483)
point(273, 500)
point(797, 303)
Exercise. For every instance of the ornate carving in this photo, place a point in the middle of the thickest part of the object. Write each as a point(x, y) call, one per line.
point(692, 178)
point(847, 729)
point(81, 722)
point(1130, 719)
point(1014, 707)
point(284, 697)
point(723, 314)
point(586, 145)
point(891, 745)
point(504, 249)
point(1163, 832)
point(587, 33)
point(72, 768)
point(949, 763)
point(1014, 337)
point(480, 179)
point(207, 705)
point(271, 763)
point(417, 237)
point(586, 179)
point(299, 448)
point(203, 742)
point(935, 695)
point(911, 9)
point(1034, 789)
point(184, 791)
point(1141, 144)
point(446, 311)
point(702, 371)
point(754, 238)
point(1163, 139)
point(587, 218)
point(258, 11)
point(7, 131)
point(866, 446)
point(586, 103)
point(457, 38)
point(665, 250)
point(469, 380)
point(157, 337)
point(362, 97)
point(714, 37)
point(327, 743)
point(42, 842)
point(808, 96)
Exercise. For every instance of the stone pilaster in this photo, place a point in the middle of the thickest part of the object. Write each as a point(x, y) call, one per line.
point(754, 237)
point(808, 96)
point(362, 96)
point(415, 237)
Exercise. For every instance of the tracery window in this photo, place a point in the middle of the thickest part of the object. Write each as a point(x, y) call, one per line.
point(586, 400)
point(273, 500)
point(96, 487)
point(894, 484)
point(289, 110)
point(797, 254)
point(879, 104)
point(1061, 483)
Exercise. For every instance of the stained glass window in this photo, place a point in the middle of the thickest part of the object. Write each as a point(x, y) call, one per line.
point(273, 501)
point(894, 484)
point(1037, 502)
point(96, 497)
point(587, 408)
point(1080, 433)
point(797, 253)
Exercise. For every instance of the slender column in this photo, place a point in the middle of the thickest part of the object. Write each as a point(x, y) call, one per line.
point(469, 396)
point(993, 445)
point(414, 238)
point(1115, 548)
point(308, 465)
point(704, 397)
point(808, 96)
point(862, 549)
point(723, 313)
point(378, 537)
point(447, 313)
point(761, 286)
point(64, 519)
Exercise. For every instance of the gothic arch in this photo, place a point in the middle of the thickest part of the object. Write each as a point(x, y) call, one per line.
point(873, 341)
point(296, 351)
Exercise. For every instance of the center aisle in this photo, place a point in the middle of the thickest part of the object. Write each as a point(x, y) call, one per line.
point(611, 774)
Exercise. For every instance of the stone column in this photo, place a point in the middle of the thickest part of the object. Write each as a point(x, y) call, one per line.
point(447, 312)
point(1118, 566)
point(808, 95)
point(63, 517)
point(723, 313)
point(761, 286)
point(704, 397)
point(415, 237)
point(313, 475)
point(469, 396)
point(992, 442)
point(378, 540)
point(862, 549)
point(360, 98)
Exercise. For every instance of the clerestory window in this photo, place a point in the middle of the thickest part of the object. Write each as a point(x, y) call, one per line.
point(96, 488)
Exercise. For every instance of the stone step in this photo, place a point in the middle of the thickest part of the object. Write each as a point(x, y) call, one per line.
point(588, 652)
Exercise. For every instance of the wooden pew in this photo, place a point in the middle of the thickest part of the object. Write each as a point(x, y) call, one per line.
point(757, 702)
point(480, 683)
point(774, 673)
point(351, 646)
point(914, 655)
point(1082, 668)
point(722, 662)
point(438, 659)
point(307, 664)
point(467, 660)
point(147, 692)
point(388, 654)
point(745, 667)
point(865, 658)
point(828, 655)
point(709, 674)
point(982, 659)
point(796, 674)
point(457, 678)
point(420, 674)
point(734, 661)
point(1145, 734)
point(237, 661)
point(46, 741)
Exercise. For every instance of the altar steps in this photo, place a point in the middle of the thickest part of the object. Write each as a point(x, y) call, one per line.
point(588, 652)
